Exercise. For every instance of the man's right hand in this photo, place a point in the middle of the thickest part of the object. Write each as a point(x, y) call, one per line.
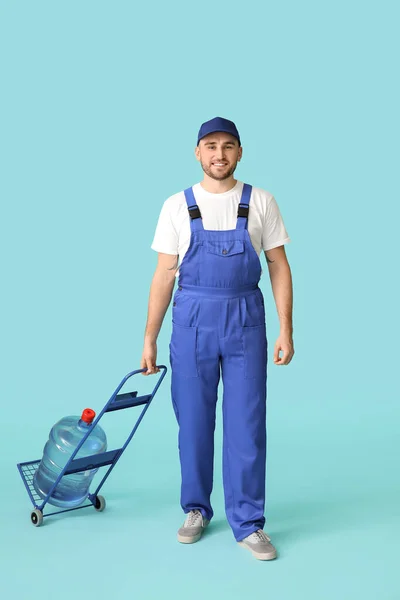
point(160, 296)
point(149, 358)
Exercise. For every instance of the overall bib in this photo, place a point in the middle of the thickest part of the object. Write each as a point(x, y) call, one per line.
point(219, 325)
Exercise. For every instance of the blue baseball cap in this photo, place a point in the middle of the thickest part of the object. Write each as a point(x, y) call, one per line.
point(218, 124)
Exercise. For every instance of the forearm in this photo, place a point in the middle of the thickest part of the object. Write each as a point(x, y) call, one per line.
point(282, 288)
point(159, 298)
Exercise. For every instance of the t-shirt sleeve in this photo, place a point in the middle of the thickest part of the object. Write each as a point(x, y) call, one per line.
point(274, 231)
point(166, 237)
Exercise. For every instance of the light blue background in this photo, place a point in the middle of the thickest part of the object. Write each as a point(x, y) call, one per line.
point(100, 106)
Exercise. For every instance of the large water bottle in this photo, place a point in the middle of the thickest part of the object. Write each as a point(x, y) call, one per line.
point(72, 490)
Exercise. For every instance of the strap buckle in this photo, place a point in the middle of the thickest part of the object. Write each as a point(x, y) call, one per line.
point(243, 210)
point(194, 212)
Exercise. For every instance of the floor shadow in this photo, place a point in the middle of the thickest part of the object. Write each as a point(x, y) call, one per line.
point(217, 526)
point(317, 516)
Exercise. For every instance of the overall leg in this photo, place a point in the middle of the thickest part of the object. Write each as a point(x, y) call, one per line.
point(194, 358)
point(244, 373)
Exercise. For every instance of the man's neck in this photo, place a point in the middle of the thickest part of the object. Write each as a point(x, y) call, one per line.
point(218, 187)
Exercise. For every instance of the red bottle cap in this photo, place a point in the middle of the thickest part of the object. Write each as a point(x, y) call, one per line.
point(88, 415)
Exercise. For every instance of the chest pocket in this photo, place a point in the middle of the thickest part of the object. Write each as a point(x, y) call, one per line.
point(225, 249)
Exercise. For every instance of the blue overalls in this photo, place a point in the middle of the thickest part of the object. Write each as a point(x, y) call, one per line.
point(219, 322)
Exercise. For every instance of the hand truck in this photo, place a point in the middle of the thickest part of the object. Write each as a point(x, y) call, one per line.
point(75, 465)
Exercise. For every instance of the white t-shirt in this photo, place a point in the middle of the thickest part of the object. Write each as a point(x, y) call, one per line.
point(219, 212)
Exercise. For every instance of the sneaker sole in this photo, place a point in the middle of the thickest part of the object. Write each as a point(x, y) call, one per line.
point(257, 554)
point(183, 539)
point(189, 540)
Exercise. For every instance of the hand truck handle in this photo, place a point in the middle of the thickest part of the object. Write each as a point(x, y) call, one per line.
point(137, 400)
point(119, 401)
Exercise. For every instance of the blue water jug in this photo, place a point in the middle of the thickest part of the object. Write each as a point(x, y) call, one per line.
point(72, 490)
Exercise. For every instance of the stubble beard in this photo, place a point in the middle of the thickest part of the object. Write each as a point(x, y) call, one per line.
point(224, 175)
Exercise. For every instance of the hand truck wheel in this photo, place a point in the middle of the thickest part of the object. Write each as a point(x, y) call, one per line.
point(37, 517)
point(100, 503)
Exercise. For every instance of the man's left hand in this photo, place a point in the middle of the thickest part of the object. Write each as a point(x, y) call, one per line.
point(284, 343)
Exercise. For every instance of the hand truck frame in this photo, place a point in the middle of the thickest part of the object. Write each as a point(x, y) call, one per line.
point(75, 465)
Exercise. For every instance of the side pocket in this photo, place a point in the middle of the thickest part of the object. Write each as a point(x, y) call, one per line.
point(183, 350)
point(255, 351)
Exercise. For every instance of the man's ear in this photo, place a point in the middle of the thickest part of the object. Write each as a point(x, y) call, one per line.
point(197, 152)
point(240, 153)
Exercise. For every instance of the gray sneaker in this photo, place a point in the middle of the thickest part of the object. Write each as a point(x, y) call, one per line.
point(193, 527)
point(259, 545)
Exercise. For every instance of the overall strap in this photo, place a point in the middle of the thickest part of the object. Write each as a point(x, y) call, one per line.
point(196, 222)
point(243, 210)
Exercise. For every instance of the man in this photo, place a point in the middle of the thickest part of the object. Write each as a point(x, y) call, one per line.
point(218, 228)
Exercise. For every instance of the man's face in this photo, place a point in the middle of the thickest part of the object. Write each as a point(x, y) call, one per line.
point(218, 154)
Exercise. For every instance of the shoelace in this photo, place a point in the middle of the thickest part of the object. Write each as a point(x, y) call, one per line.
point(260, 536)
point(194, 518)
